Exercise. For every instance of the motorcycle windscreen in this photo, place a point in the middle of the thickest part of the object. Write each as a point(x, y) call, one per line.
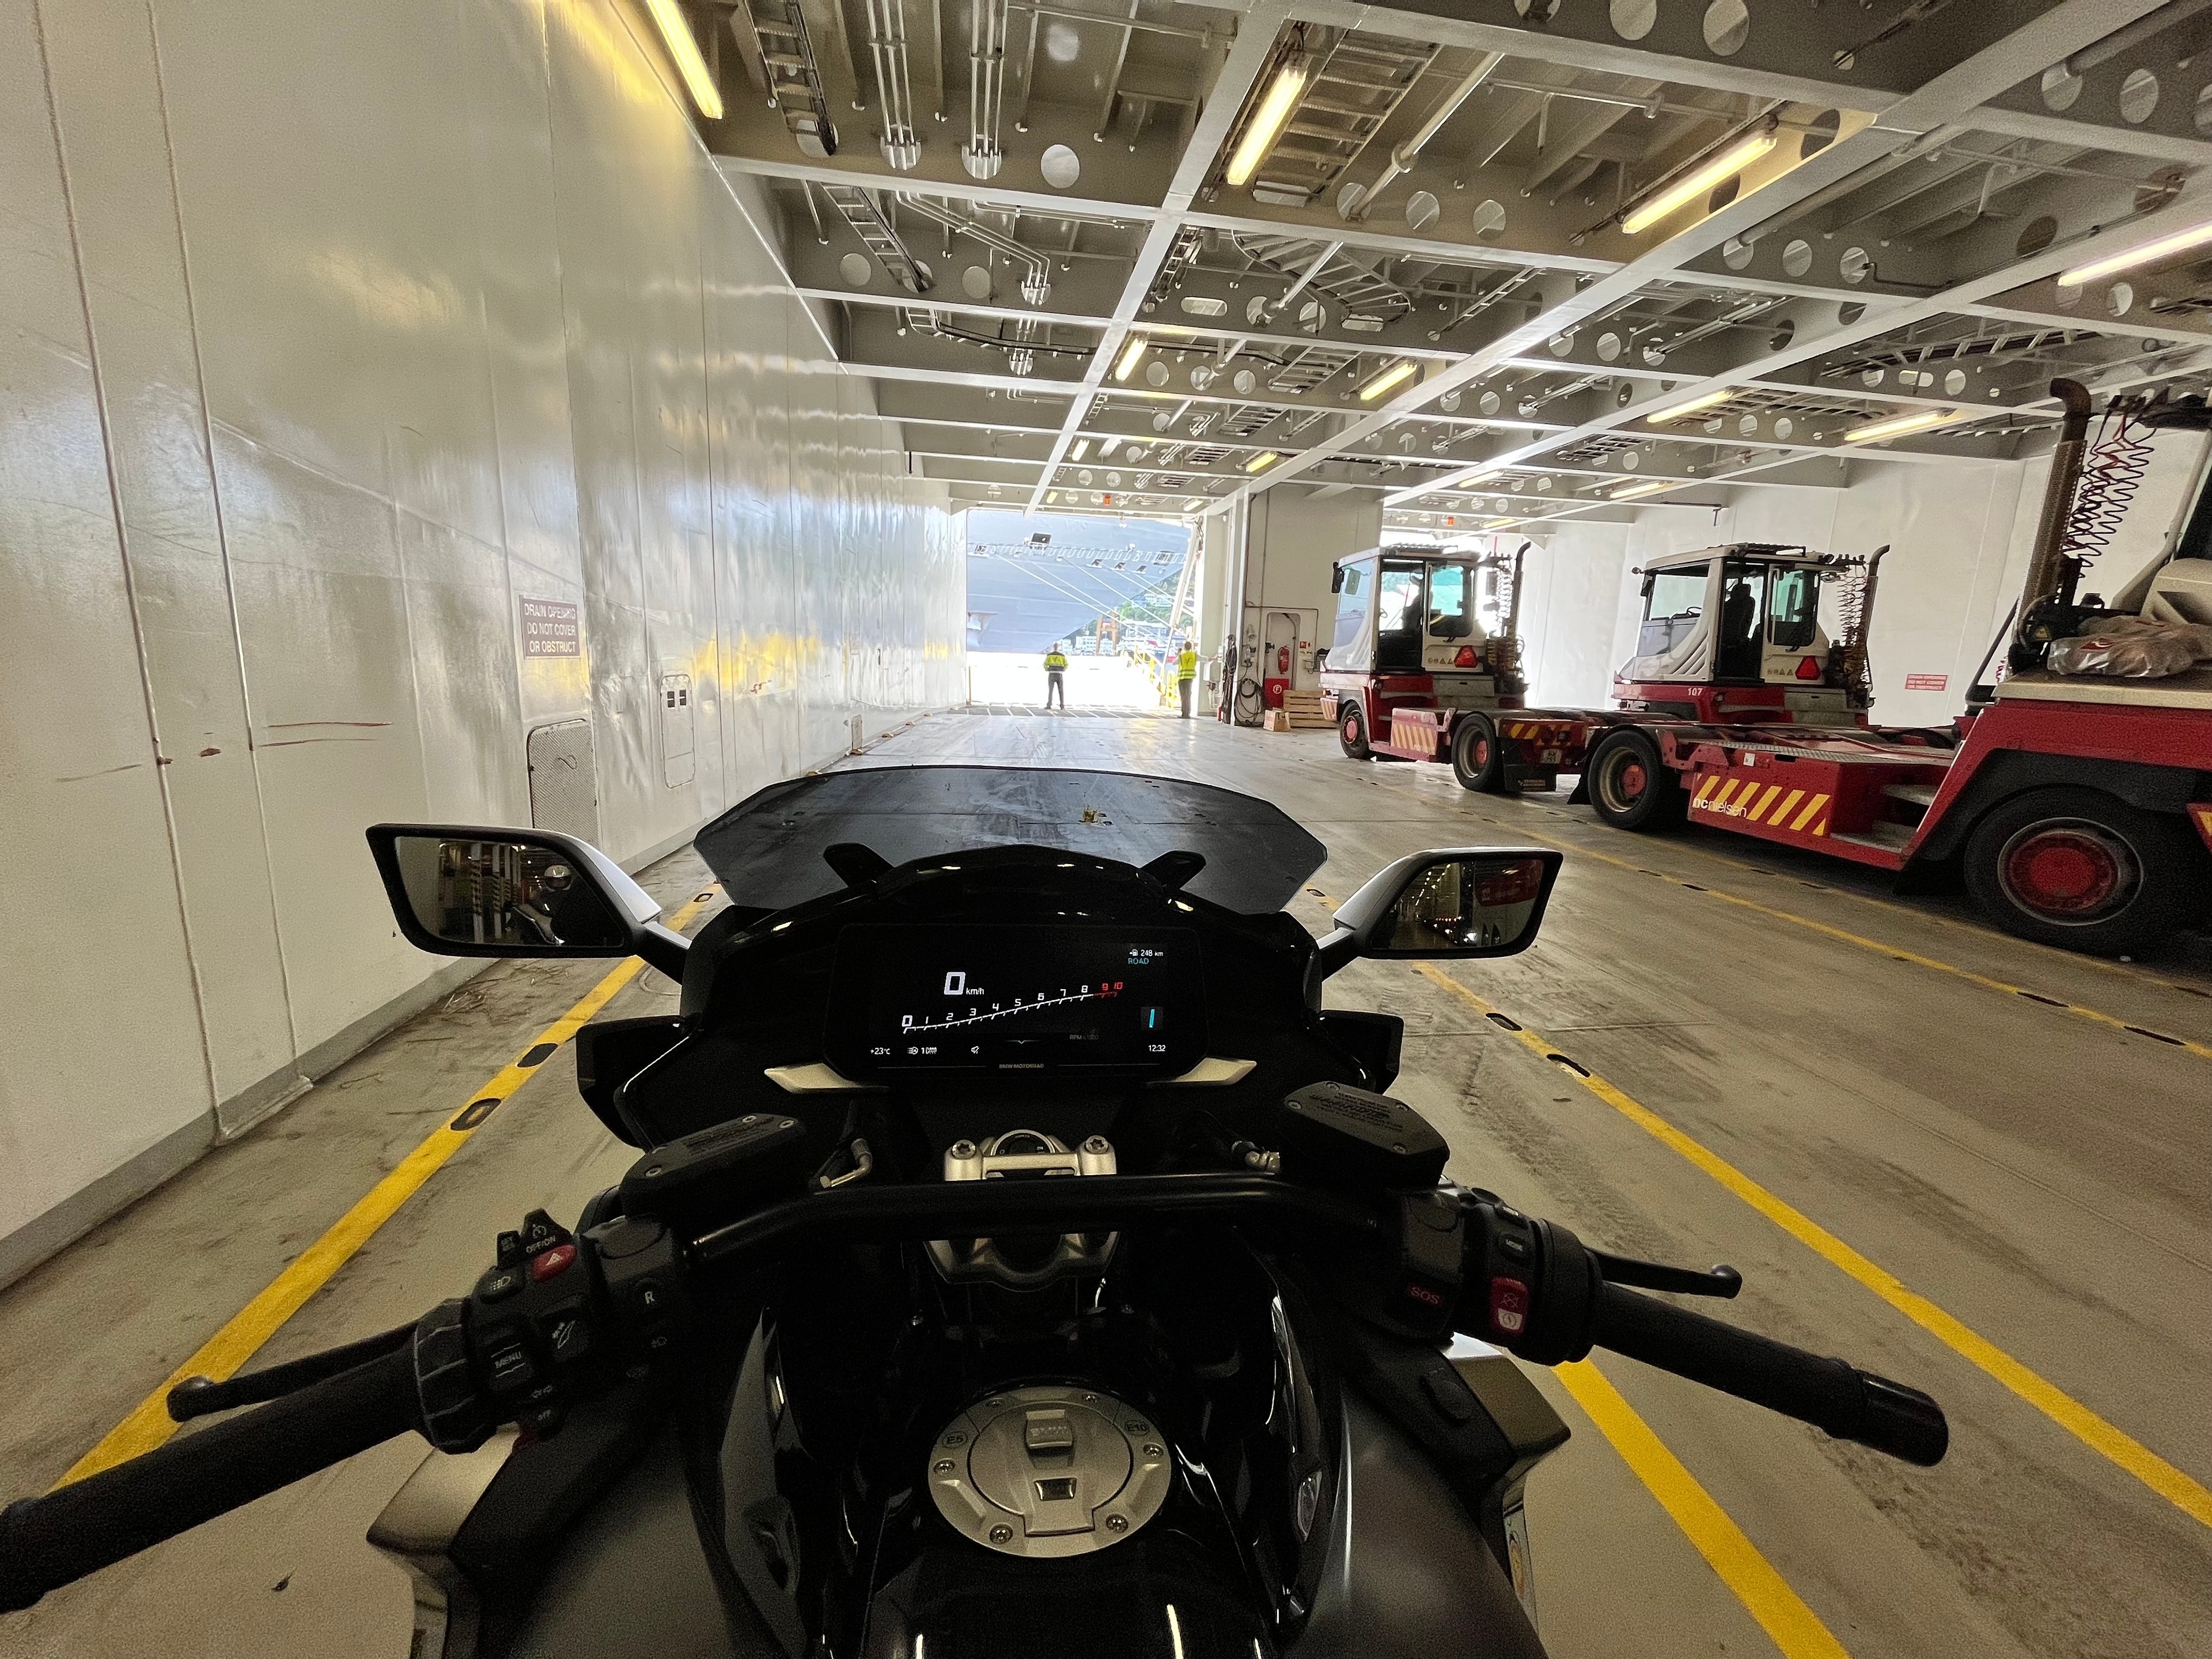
point(767, 850)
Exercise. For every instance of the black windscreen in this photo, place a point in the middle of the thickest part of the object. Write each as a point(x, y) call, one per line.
point(767, 850)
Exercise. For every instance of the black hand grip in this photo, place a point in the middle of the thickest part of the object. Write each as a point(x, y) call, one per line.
point(46, 1542)
point(1830, 1394)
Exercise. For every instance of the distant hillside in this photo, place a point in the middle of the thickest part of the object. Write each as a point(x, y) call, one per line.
point(1025, 593)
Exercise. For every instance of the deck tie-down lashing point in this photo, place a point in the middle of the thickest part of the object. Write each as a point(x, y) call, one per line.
point(473, 1115)
point(2156, 1037)
point(537, 1054)
point(1504, 1020)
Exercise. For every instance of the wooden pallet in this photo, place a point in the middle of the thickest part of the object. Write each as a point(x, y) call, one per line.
point(1310, 710)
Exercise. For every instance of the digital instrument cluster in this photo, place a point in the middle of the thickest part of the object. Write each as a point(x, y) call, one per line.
point(917, 998)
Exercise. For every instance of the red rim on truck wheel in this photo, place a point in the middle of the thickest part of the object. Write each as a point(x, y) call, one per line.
point(2067, 872)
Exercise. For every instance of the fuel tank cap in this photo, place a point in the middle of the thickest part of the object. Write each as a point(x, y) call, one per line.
point(1049, 1471)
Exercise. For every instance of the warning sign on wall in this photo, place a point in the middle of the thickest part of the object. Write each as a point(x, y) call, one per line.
point(551, 629)
point(1926, 682)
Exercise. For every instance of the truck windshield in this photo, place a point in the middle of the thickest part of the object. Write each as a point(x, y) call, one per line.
point(1451, 612)
point(1672, 602)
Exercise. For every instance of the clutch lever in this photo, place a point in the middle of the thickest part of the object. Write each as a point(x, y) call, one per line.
point(1721, 1281)
point(202, 1396)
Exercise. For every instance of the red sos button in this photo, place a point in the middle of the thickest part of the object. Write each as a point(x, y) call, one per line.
point(1508, 1306)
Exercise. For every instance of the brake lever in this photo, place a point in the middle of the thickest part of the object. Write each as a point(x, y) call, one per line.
point(202, 1396)
point(1721, 1281)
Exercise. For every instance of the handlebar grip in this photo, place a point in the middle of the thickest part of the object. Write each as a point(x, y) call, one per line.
point(46, 1542)
point(1829, 1394)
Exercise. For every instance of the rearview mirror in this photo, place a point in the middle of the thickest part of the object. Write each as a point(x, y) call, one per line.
point(463, 891)
point(1446, 903)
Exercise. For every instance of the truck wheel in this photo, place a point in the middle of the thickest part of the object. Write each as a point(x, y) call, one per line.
point(1352, 733)
point(1476, 760)
point(1630, 787)
point(2081, 871)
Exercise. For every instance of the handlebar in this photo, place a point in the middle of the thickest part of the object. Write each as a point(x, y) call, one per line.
point(46, 1542)
point(1535, 1288)
point(1830, 1394)
point(1419, 1262)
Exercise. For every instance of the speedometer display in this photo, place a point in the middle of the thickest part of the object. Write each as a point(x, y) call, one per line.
point(1009, 997)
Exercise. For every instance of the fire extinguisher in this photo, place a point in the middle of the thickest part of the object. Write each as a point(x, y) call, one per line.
point(1283, 659)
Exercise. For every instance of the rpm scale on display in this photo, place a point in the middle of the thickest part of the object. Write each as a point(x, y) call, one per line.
point(1011, 997)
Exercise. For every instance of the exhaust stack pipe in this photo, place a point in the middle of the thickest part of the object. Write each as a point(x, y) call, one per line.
point(2047, 572)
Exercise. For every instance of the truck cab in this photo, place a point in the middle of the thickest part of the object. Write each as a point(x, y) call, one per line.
point(1412, 668)
point(1733, 633)
point(1409, 630)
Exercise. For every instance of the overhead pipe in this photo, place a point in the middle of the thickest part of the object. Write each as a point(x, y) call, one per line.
point(1036, 282)
point(887, 45)
point(936, 51)
point(1352, 201)
point(983, 155)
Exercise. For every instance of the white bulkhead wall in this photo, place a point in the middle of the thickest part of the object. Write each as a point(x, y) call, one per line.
point(329, 335)
point(1290, 543)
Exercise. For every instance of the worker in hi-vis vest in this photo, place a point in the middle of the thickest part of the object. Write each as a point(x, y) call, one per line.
point(1055, 676)
point(1186, 673)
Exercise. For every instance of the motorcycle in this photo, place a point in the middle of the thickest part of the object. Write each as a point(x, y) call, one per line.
point(1018, 1260)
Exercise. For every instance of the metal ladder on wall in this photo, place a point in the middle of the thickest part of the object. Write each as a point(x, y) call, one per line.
point(877, 236)
point(794, 78)
point(1344, 279)
point(1356, 87)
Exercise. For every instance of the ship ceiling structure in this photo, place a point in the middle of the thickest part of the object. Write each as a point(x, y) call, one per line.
point(1423, 282)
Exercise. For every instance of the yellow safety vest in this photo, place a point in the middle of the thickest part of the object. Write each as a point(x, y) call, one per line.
point(1187, 665)
point(1055, 662)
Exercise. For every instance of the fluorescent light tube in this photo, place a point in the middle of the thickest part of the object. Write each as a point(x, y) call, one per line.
point(677, 33)
point(1690, 406)
point(1388, 378)
point(1726, 164)
point(1194, 504)
point(2141, 254)
point(1082, 448)
point(1269, 120)
point(1644, 487)
point(1266, 457)
point(1131, 355)
point(1897, 425)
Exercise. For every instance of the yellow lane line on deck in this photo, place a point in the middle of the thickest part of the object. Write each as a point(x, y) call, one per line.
point(2109, 1440)
point(1895, 952)
point(229, 1348)
point(1765, 1594)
